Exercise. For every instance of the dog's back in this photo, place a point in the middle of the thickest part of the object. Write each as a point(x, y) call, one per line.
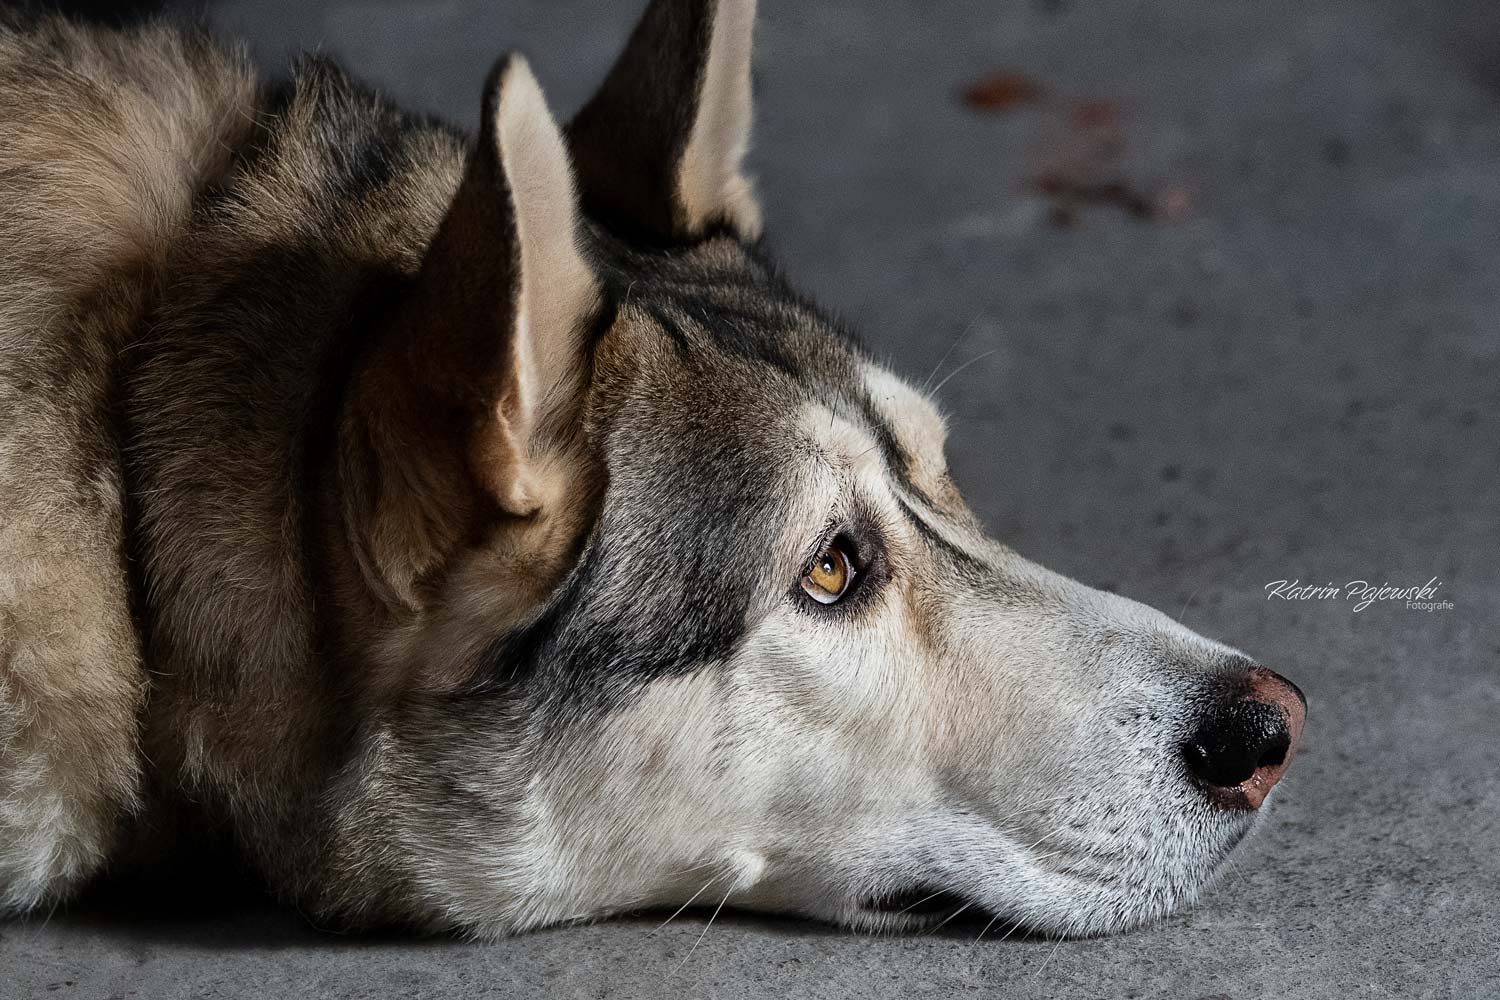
point(105, 137)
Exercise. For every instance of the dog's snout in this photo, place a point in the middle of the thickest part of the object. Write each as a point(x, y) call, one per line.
point(1242, 747)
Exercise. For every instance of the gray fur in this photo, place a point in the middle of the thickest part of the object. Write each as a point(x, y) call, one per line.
point(458, 580)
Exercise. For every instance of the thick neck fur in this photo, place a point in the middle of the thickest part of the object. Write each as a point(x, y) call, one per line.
point(232, 395)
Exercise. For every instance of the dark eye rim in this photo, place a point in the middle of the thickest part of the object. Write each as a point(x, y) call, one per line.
point(861, 542)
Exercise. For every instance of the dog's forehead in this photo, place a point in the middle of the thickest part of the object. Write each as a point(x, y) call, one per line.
point(713, 329)
point(723, 365)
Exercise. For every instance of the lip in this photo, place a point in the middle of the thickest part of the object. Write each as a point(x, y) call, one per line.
point(1233, 799)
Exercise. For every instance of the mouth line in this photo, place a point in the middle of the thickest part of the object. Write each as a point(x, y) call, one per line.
point(920, 900)
point(926, 907)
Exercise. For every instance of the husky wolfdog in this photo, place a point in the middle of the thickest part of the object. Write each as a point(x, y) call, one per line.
point(481, 533)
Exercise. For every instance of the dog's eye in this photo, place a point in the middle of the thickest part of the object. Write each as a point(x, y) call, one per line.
point(831, 574)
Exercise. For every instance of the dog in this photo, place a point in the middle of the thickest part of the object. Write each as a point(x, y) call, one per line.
point(482, 533)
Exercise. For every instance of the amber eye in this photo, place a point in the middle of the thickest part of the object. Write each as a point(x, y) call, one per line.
point(831, 574)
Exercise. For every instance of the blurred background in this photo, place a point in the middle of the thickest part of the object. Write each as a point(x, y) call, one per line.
point(1211, 290)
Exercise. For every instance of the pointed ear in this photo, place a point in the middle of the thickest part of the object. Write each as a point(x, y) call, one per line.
point(459, 406)
point(660, 147)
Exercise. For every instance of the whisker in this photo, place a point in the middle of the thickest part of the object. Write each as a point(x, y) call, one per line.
point(972, 361)
point(1188, 603)
point(698, 867)
point(1031, 807)
point(920, 902)
point(1233, 872)
point(983, 930)
point(949, 917)
point(1037, 974)
point(1013, 928)
point(689, 902)
point(1043, 838)
point(706, 926)
point(962, 336)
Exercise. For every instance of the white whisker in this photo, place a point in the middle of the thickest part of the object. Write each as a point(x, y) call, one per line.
point(706, 926)
point(1188, 603)
point(962, 336)
point(920, 901)
point(949, 917)
point(1031, 807)
point(971, 361)
point(984, 930)
point(689, 902)
point(1043, 967)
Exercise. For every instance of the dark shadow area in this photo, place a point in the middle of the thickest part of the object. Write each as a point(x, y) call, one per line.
point(110, 11)
point(201, 899)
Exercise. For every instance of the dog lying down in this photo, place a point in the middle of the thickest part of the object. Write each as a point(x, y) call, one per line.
point(485, 535)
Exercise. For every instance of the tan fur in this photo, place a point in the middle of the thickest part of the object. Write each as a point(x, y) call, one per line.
point(491, 587)
point(103, 142)
point(557, 288)
point(437, 426)
point(710, 181)
point(361, 498)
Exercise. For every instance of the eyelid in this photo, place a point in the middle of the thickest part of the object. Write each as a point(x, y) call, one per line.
point(831, 530)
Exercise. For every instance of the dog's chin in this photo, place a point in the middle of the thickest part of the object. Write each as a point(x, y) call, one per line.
point(1072, 907)
point(922, 904)
point(924, 907)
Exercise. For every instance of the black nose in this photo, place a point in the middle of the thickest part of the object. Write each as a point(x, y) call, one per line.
point(1241, 748)
point(1237, 740)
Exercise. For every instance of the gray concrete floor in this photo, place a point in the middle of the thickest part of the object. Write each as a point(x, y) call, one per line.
point(1287, 370)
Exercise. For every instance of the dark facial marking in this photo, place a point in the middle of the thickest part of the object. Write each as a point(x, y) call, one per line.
point(936, 540)
point(897, 460)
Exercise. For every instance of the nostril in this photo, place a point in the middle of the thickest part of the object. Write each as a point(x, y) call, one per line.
point(1235, 741)
point(1213, 767)
point(1274, 754)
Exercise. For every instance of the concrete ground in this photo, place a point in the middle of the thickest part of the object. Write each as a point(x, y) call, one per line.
point(1228, 293)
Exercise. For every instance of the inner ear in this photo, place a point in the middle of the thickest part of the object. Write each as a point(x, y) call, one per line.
point(660, 148)
point(447, 424)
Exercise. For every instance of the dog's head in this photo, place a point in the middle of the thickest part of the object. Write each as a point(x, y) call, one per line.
point(679, 604)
